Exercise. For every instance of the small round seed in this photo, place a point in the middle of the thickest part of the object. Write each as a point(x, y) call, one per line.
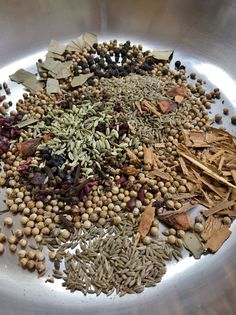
point(180, 233)
point(2, 237)
point(172, 231)
point(1, 248)
point(198, 227)
point(171, 239)
point(227, 220)
point(8, 221)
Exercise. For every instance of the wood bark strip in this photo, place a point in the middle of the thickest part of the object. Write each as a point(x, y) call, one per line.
point(218, 207)
point(218, 238)
point(210, 227)
point(206, 169)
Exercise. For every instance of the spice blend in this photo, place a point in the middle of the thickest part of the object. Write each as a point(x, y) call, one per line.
point(110, 142)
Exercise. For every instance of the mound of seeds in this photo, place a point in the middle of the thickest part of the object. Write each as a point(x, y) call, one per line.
point(110, 146)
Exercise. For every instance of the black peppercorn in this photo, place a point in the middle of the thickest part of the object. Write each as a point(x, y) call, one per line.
point(177, 64)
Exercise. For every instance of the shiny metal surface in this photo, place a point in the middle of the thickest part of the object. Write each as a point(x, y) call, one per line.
point(203, 33)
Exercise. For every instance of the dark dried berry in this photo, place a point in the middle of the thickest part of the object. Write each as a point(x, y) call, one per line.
point(38, 179)
point(101, 127)
point(164, 71)
point(118, 108)
point(46, 153)
point(123, 129)
point(157, 205)
point(177, 64)
point(56, 160)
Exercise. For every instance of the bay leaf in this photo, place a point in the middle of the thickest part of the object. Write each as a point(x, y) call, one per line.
point(76, 44)
point(64, 70)
point(72, 47)
point(51, 65)
point(40, 68)
point(56, 47)
point(163, 55)
point(193, 244)
point(90, 38)
point(54, 56)
point(81, 79)
point(33, 85)
point(52, 86)
point(21, 75)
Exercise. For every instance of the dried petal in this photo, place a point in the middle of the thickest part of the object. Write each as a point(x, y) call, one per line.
point(181, 221)
point(167, 106)
point(177, 91)
point(38, 179)
point(129, 170)
point(141, 195)
point(28, 147)
point(47, 137)
point(131, 203)
point(133, 157)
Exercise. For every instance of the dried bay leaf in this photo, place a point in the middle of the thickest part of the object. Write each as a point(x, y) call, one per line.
point(147, 218)
point(54, 56)
point(162, 55)
point(52, 86)
point(81, 79)
point(50, 64)
point(21, 75)
point(193, 243)
point(90, 39)
point(71, 47)
point(33, 85)
point(215, 242)
point(63, 70)
point(56, 47)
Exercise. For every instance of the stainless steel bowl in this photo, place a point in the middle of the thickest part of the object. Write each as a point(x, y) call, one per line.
point(203, 33)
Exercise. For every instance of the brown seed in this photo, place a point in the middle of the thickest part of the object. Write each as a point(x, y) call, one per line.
point(233, 120)
point(30, 264)
point(218, 118)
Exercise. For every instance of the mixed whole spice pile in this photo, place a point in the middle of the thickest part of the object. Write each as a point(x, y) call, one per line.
point(109, 143)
